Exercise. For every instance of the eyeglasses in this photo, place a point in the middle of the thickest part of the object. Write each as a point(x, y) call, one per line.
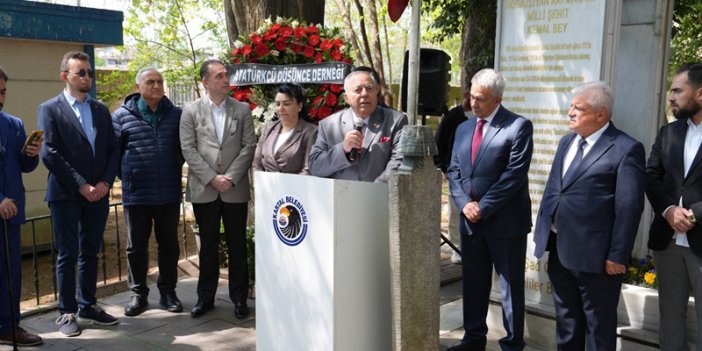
point(82, 73)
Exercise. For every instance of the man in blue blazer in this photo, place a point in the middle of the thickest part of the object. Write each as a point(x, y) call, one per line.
point(488, 182)
point(13, 162)
point(588, 220)
point(80, 151)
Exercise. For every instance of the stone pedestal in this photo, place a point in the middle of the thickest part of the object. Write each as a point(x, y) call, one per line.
point(415, 225)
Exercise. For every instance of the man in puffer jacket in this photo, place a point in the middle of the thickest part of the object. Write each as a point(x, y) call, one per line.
point(151, 162)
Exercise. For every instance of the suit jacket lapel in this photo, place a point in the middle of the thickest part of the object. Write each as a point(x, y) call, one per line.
point(70, 115)
point(560, 157)
point(603, 144)
point(292, 139)
point(490, 132)
point(374, 128)
point(208, 118)
point(346, 122)
point(679, 153)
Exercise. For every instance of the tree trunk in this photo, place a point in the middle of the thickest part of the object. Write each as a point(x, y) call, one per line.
point(364, 36)
point(344, 7)
point(478, 41)
point(245, 16)
point(378, 50)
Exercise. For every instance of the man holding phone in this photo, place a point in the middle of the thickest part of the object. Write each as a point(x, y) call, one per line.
point(14, 160)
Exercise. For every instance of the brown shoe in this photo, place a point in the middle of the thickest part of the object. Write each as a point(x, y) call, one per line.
point(24, 338)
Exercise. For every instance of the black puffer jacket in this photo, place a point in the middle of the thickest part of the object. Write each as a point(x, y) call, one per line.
point(150, 157)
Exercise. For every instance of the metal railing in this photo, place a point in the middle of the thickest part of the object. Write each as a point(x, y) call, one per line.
point(111, 232)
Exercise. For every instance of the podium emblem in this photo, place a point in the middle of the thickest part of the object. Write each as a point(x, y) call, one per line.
point(290, 220)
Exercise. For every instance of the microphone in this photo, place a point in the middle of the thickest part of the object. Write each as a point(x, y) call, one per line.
point(358, 125)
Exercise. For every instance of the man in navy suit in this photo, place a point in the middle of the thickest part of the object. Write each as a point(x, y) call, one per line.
point(674, 188)
point(588, 220)
point(13, 162)
point(488, 182)
point(80, 151)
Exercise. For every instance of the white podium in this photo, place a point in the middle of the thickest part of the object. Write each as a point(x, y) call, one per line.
point(322, 264)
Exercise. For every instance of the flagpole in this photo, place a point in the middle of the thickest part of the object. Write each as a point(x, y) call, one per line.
point(413, 66)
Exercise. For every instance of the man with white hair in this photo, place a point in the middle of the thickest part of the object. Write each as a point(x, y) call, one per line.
point(489, 184)
point(150, 167)
point(588, 220)
point(361, 142)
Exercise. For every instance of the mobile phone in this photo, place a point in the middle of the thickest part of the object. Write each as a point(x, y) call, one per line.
point(33, 136)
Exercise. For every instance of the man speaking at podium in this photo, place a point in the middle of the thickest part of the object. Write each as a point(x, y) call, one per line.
point(361, 142)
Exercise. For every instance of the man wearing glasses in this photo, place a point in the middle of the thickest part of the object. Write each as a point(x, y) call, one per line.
point(80, 151)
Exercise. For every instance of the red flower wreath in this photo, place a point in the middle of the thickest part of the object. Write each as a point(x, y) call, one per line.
point(286, 42)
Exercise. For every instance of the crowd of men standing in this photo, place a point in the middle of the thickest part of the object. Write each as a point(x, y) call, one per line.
point(587, 220)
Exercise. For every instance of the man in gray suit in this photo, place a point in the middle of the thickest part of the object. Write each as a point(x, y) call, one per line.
point(360, 142)
point(218, 142)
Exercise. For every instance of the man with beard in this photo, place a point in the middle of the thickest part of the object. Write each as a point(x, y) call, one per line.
point(674, 188)
point(80, 151)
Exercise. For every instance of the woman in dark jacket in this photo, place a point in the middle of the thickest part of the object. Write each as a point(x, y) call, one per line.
point(285, 144)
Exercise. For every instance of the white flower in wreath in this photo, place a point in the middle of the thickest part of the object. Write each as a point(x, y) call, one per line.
point(262, 116)
point(238, 44)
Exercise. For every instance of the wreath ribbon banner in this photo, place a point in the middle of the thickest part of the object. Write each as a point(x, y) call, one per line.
point(312, 73)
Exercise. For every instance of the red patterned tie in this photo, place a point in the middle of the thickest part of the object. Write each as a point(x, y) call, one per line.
point(477, 138)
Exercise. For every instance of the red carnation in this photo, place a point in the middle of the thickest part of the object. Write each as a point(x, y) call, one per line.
point(236, 60)
point(330, 100)
point(312, 29)
point(252, 106)
point(286, 31)
point(280, 44)
point(314, 39)
point(338, 43)
point(275, 27)
point(312, 112)
point(296, 48)
point(319, 58)
point(324, 112)
point(261, 50)
point(256, 40)
point(270, 35)
point(336, 55)
point(246, 50)
point(336, 88)
point(326, 45)
point(235, 52)
point(309, 51)
point(323, 87)
point(318, 100)
point(299, 32)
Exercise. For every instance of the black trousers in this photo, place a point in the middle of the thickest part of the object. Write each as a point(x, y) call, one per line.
point(233, 216)
point(164, 219)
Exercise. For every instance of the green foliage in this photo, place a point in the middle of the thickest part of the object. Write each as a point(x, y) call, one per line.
point(448, 16)
point(686, 34)
point(114, 86)
point(175, 36)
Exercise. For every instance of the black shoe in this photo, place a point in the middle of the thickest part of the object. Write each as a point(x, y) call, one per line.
point(465, 346)
point(96, 315)
point(200, 309)
point(241, 310)
point(170, 302)
point(136, 306)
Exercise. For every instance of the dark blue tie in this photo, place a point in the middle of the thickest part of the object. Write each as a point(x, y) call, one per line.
point(576, 161)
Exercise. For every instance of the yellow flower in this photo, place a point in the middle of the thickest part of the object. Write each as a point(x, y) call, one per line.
point(650, 277)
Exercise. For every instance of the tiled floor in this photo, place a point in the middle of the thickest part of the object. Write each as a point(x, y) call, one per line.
point(157, 329)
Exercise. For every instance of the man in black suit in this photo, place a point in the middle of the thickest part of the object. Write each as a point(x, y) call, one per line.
point(674, 188)
point(80, 151)
point(588, 220)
